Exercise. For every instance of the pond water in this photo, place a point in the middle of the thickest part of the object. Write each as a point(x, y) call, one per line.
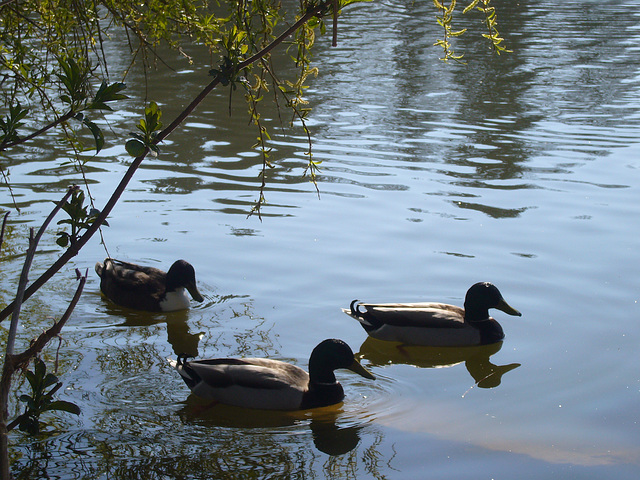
point(521, 169)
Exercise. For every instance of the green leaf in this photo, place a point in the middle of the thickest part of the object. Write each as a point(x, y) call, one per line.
point(63, 240)
point(135, 148)
point(107, 93)
point(471, 6)
point(49, 380)
point(63, 406)
point(40, 369)
point(31, 378)
point(97, 134)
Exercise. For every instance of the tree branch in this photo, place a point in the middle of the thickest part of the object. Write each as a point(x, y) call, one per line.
point(22, 284)
point(74, 249)
point(22, 359)
point(51, 125)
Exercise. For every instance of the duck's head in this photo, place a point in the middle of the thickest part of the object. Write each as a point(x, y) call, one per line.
point(182, 274)
point(330, 355)
point(481, 297)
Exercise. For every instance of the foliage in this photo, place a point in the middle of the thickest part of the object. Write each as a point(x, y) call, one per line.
point(11, 123)
point(80, 218)
point(150, 126)
point(51, 64)
point(445, 20)
point(491, 21)
point(41, 400)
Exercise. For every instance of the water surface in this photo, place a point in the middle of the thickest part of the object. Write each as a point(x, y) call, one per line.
point(520, 169)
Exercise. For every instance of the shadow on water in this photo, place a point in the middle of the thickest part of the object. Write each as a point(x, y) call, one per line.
point(476, 359)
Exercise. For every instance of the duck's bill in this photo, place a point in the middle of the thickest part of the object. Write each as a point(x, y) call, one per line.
point(506, 308)
point(195, 294)
point(360, 370)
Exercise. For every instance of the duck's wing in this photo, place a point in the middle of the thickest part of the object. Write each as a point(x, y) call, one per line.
point(258, 373)
point(131, 277)
point(423, 315)
point(250, 382)
point(121, 266)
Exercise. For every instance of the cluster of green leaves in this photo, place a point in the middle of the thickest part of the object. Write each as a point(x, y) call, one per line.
point(445, 20)
point(42, 399)
point(169, 22)
point(491, 21)
point(81, 217)
point(11, 123)
point(53, 62)
point(150, 126)
point(256, 19)
point(76, 78)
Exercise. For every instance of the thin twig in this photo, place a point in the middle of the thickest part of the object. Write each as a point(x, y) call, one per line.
point(6, 182)
point(22, 359)
point(9, 366)
point(334, 6)
point(4, 224)
point(42, 130)
point(16, 362)
point(24, 275)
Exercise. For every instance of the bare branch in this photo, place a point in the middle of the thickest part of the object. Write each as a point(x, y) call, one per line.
point(22, 359)
point(24, 275)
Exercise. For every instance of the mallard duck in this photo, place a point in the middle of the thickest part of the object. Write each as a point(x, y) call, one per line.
point(147, 288)
point(436, 324)
point(271, 384)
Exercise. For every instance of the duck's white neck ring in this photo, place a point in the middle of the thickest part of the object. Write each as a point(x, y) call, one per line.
point(480, 321)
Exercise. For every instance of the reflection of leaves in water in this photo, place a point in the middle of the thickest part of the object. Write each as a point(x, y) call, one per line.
point(37, 457)
point(136, 431)
point(373, 458)
point(245, 335)
point(243, 232)
point(147, 439)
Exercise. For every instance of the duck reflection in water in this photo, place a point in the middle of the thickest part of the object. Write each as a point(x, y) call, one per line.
point(179, 336)
point(476, 359)
point(331, 434)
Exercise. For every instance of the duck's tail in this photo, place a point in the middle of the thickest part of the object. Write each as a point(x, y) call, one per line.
point(101, 267)
point(182, 359)
point(182, 367)
point(355, 312)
